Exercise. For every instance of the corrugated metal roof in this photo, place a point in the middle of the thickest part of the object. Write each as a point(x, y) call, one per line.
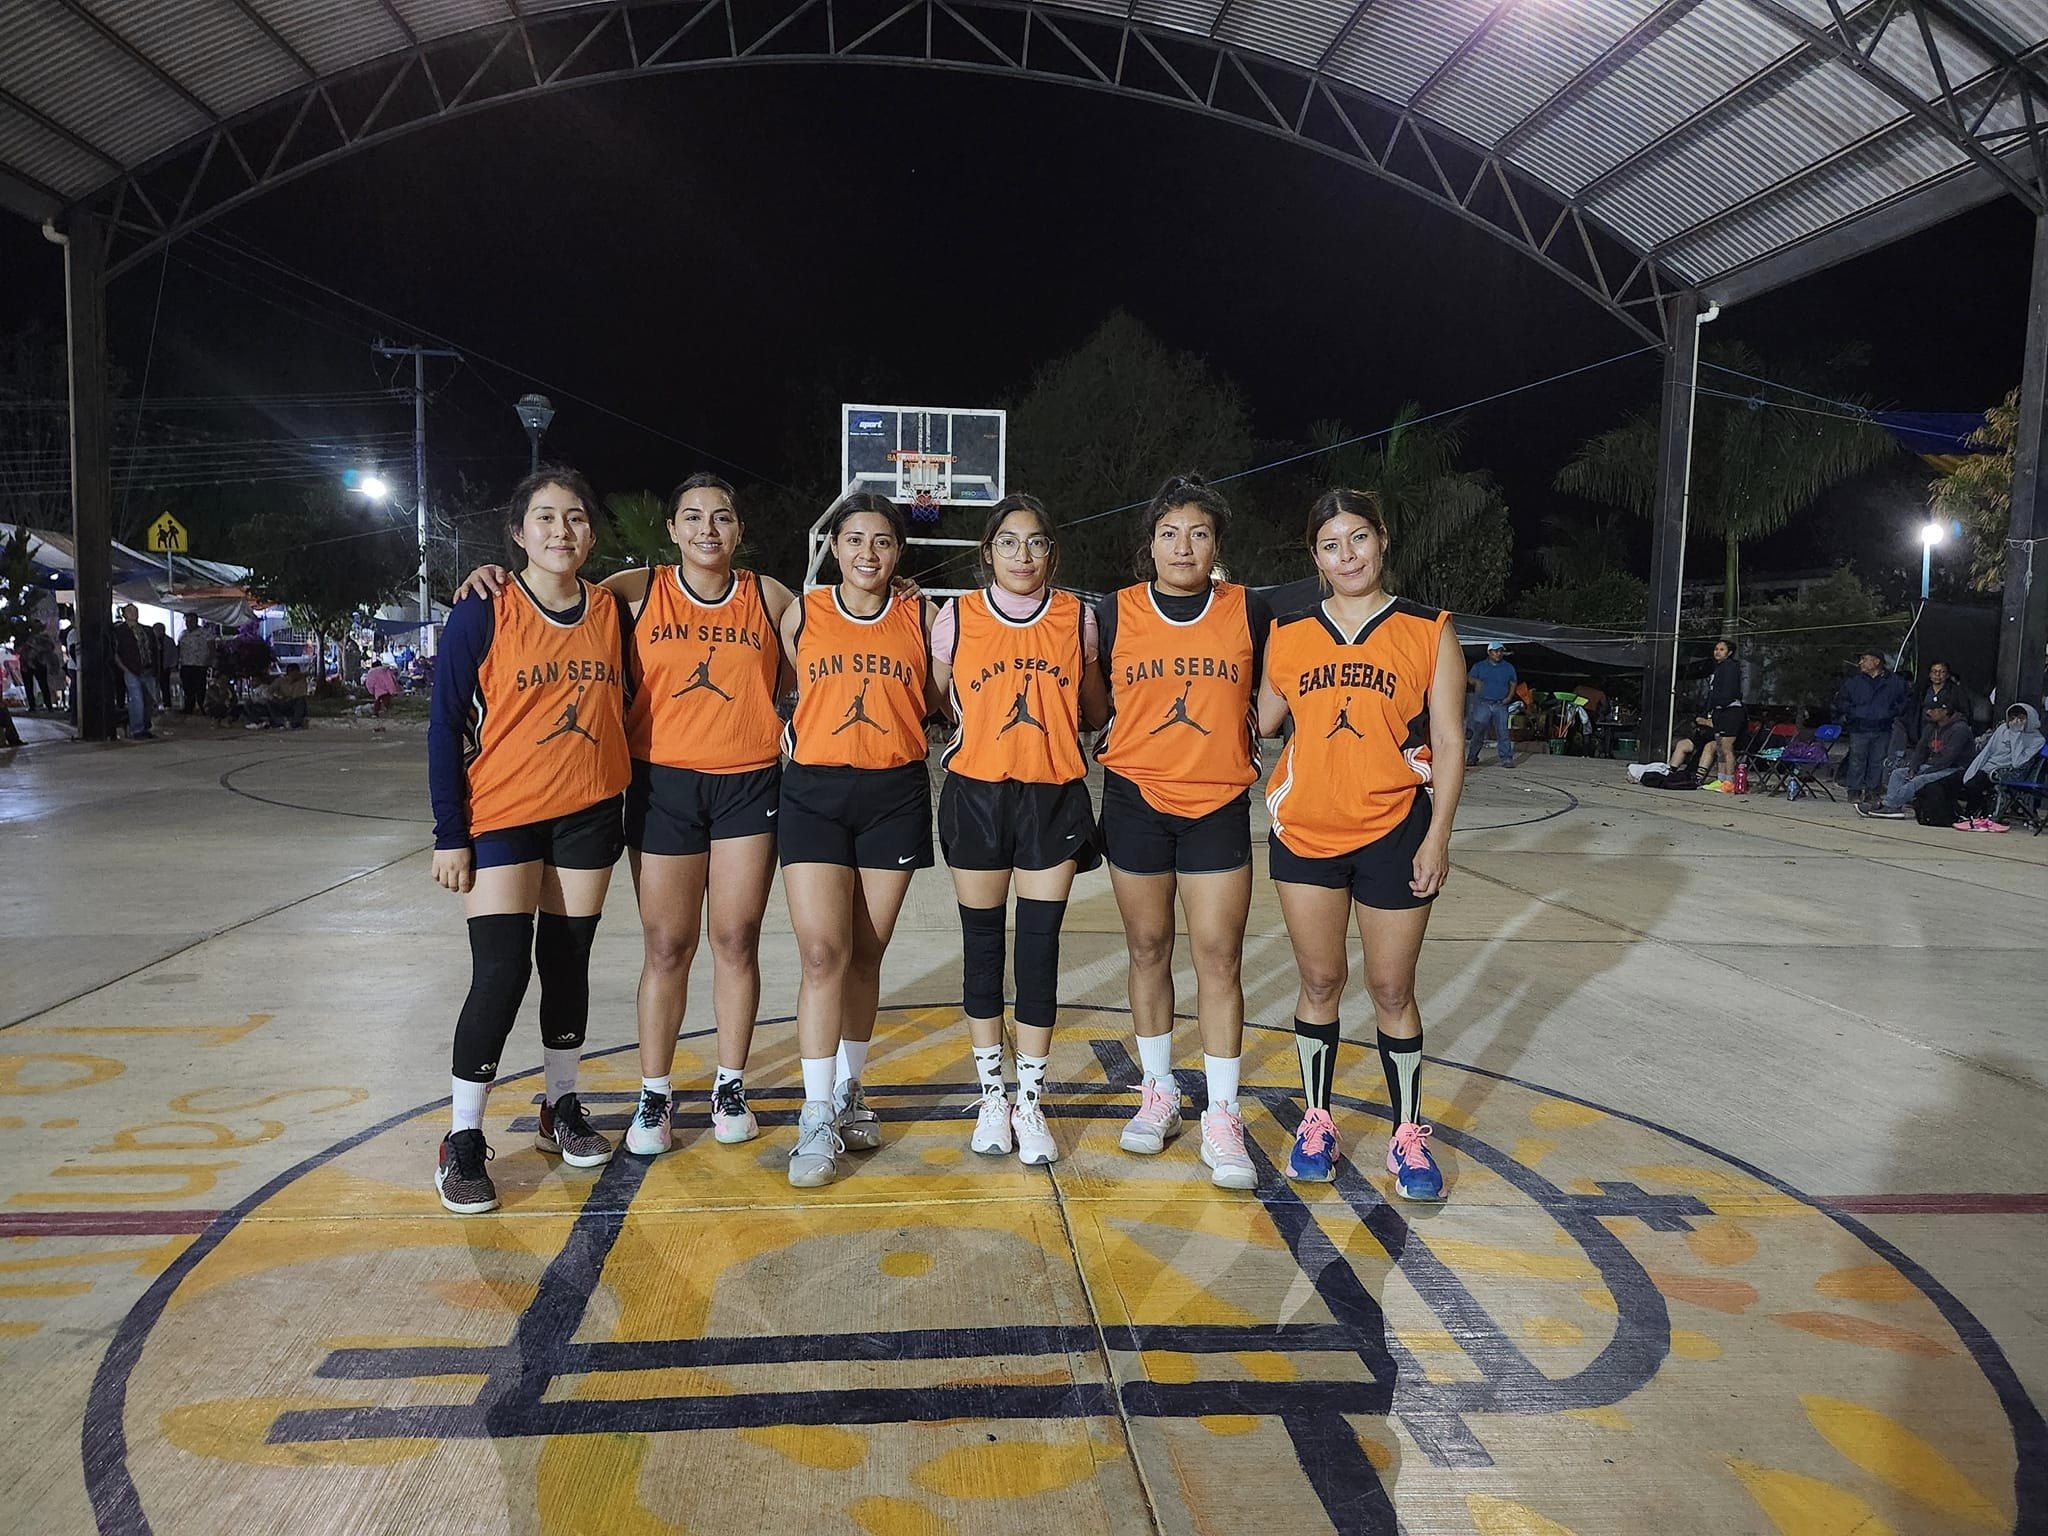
point(1705, 135)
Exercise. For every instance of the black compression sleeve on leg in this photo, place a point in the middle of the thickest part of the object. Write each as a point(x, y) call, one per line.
point(1316, 1044)
point(1038, 960)
point(1402, 1062)
point(561, 953)
point(501, 959)
point(981, 962)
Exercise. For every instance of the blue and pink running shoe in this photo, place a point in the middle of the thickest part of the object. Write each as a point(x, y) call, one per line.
point(1416, 1175)
point(1314, 1159)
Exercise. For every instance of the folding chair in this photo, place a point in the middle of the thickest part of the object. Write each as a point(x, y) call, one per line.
point(1806, 774)
point(1765, 750)
point(2024, 799)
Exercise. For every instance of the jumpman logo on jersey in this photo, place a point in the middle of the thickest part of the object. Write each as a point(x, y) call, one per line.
point(857, 714)
point(701, 678)
point(1020, 712)
point(567, 723)
point(1344, 721)
point(1177, 714)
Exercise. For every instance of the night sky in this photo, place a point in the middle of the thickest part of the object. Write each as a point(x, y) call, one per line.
point(723, 257)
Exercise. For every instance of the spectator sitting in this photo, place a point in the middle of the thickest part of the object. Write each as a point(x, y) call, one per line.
point(288, 698)
point(220, 696)
point(1942, 752)
point(382, 681)
point(1869, 703)
point(2007, 753)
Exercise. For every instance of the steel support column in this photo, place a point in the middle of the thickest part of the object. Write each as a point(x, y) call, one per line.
point(92, 481)
point(1667, 536)
point(2023, 626)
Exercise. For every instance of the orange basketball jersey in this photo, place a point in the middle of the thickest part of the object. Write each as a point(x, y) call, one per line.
point(704, 677)
point(1182, 731)
point(1017, 687)
point(860, 684)
point(1360, 749)
point(547, 726)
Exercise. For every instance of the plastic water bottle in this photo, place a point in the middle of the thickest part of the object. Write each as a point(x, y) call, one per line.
point(1742, 776)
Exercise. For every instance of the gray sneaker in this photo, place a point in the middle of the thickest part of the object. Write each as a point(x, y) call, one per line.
point(858, 1126)
point(814, 1160)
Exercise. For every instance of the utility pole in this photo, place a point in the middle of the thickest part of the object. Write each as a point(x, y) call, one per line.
point(419, 356)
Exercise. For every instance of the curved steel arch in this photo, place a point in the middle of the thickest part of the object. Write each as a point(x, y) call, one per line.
point(327, 118)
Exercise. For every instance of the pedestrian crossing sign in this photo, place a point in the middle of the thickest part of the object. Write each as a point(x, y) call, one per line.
point(167, 536)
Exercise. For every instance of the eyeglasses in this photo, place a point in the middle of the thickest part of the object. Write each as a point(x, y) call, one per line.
point(1009, 544)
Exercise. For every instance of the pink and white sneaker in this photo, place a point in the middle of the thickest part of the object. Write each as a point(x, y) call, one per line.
point(1223, 1153)
point(731, 1120)
point(1157, 1121)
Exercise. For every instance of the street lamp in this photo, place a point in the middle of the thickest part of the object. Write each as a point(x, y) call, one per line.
point(377, 489)
point(535, 412)
point(1931, 534)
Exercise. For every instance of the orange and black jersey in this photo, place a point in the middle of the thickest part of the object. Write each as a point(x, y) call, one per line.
point(860, 684)
point(1183, 678)
point(1359, 753)
point(1017, 689)
point(704, 676)
point(529, 711)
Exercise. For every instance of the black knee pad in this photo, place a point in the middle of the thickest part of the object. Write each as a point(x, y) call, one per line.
point(981, 962)
point(1038, 960)
point(561, 953)
point(501, 959)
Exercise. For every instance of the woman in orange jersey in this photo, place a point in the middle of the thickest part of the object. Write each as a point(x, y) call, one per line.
point(526, 758)
point(1181, 652)
point(1362, 802)
point(856, 820)
point(1018, 662)
point(700, 810)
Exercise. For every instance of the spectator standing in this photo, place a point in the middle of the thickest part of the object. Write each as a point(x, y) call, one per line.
point(163, 655)
point(1492, 682)
point(1942, 752)
point(1726, 713)
point(39, 664)
point(1939, 686)
point(197, 648)
point(1869, 703)
point(130, 661)
point(69, 643)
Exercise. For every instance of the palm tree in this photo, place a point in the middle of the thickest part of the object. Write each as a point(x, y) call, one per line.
point(1756, 463)
point(1449, 542)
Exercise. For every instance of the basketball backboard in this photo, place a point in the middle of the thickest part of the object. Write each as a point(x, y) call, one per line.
point(933, 455)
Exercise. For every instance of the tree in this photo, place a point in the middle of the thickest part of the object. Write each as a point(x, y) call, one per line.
point(1978, 494)
point(1449, 541)
point(332, 558)
point(1805, 645)
point(1104, 425)
point(1756, 463)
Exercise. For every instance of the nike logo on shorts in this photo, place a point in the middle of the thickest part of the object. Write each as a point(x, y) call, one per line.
point(906, 858)
point(771, 813)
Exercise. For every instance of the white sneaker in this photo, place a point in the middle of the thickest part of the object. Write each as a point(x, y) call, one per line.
point(992, 1123)
point(1035, 1145)
point(1223, 1153)
point(814, 1160)
point(858, 1126)
point(649, 1135)
point(1157, 1121)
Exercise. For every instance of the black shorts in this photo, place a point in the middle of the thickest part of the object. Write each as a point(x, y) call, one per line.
point(863, 818)
point(1140, 839)
point(1377, 874)
point(585, 839)
point(1731, 721)
point(1012, 825)
point(683, 811)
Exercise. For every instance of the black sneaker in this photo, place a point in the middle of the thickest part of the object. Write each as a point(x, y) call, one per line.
point(465, 1184)
point(566, 1131)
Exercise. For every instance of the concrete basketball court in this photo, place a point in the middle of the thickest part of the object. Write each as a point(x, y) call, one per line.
point(1740, 1104)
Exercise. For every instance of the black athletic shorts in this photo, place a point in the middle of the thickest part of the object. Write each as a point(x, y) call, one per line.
point(681, 811)
point(585, 839)
point(863, 818)
point(1731, 721)
point(1377, 874)
point(1140, 839)
point(1012, 825)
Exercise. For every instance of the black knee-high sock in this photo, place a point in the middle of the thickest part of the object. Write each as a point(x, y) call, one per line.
point(561, 954)
point(1402, 1060)
point(1317, 1045)
point(501, 959)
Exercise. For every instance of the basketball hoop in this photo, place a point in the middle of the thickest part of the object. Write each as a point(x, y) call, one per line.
point(921, 478)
